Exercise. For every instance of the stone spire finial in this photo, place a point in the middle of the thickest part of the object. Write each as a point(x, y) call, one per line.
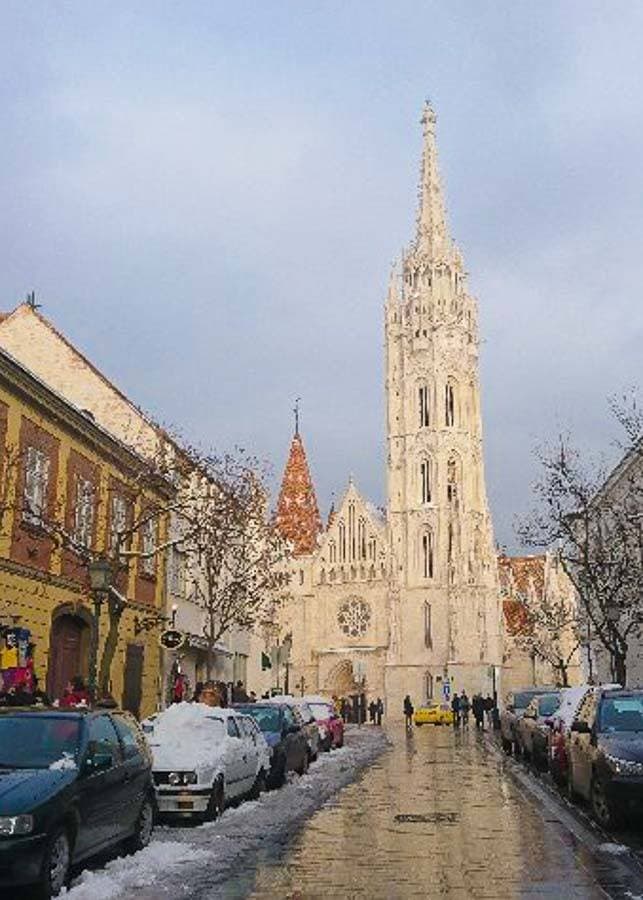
point(297, 516)
point(432, 237)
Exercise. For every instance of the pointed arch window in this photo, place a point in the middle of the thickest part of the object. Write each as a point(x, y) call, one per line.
point(428, 634)
point(424, 406)
point(425, 481)
point(452, 480)
point(361, 537)
point(428, 685)
point(427, 553)
point(332, 551)
point(449, 403)
point(342, 541)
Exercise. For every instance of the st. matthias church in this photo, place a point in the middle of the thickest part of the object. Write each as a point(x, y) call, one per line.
point(400, 604)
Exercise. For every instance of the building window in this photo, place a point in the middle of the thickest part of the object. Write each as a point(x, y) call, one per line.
point(427, 554)
point(342, 542)
point(428, 685)
point(301, 576)
point(84, 512)
point(449, 404)
point(36, 485)
point(423, 393)
point(361, 537)
point(372, 549)
point(352, 537)
point(148, 546)
point(177, 572)
point(332, 551)
point(118, 523)
point(425, 481)
point(452, 480)
point(428, 636)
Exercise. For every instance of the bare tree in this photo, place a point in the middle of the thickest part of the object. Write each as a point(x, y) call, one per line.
point(593, 519)
point(236, 552)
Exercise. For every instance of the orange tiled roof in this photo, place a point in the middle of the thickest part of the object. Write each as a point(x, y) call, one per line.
point(297, 515)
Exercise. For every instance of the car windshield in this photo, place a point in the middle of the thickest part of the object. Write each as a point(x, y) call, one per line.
point(622, 713)
point(548, 704)
point(38, 742)
point(522, 701)
point(320, 710)
point(266, 717)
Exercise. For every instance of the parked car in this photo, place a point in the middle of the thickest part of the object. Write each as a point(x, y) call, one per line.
point(605, 753)
point(571, 699)
point(331, 725)
point(284, 735)
point(532, 729)
point(72, 784)
point(433, 714)
point(205, 756)
point(515, 704)
point(308, 722)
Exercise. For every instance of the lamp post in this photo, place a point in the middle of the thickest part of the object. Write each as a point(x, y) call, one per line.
point(100, 581)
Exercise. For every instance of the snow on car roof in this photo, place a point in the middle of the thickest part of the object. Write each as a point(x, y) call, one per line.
point(571, 699)
point(188, 732)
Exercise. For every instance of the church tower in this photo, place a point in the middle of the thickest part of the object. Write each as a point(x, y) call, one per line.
point(445, 609)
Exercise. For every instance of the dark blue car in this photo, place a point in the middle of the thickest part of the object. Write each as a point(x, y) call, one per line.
point(281, 727)
point(73, 783)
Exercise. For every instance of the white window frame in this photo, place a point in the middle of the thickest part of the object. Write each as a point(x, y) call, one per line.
point(36, 486)
point(84, 512)
point(117, 520)
point(148, 546)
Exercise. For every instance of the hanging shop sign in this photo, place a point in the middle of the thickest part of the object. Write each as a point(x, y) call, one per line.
point(171, 639)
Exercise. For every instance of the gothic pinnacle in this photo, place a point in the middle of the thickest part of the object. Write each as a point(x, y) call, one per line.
point(432, 238)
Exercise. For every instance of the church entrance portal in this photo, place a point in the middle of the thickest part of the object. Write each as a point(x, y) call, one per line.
point(341, 682)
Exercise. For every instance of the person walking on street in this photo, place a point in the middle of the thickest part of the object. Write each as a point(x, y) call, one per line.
point(371, 712)
point(488, 708)
point(455, 709)
point(465, 706)
point(408, 712)
point(478, 711)
point(379, 711)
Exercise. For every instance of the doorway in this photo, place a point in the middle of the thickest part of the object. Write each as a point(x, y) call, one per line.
point(69, 653)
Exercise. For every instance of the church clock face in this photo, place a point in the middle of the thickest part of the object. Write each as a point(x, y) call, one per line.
point(354, 617)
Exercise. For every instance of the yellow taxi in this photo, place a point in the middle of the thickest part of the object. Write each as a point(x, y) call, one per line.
point(433, 714)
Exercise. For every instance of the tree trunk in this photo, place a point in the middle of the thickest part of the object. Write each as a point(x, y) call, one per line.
point(564, 677)
point(619, 668)
point(109, 650)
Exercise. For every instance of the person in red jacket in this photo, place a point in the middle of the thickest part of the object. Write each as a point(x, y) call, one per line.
point(76, 694)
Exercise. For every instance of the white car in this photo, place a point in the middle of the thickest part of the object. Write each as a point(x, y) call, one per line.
point(205, 756)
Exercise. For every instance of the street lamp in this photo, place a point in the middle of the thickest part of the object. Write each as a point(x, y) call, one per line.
point(100, 581)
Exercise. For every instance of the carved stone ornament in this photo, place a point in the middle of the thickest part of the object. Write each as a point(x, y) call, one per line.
point(354, 617)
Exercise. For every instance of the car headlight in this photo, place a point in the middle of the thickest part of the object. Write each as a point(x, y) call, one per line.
point(189, 778)
point(624, 766)
point(12, 825)
point(174, 778)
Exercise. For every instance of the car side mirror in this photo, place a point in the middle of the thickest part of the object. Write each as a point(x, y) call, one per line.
point(580, 727)
point(98, 762)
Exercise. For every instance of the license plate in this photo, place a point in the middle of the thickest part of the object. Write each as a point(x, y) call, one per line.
point(185, 804)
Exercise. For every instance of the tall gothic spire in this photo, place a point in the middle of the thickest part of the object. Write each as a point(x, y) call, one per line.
point(432, 239)
point(297, 516)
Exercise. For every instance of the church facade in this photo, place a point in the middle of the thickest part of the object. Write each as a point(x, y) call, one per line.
point(405, 602)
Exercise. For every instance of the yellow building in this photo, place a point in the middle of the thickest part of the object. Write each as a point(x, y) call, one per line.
point(68, 488)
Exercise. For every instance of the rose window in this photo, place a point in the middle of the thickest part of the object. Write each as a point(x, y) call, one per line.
point(354, 617)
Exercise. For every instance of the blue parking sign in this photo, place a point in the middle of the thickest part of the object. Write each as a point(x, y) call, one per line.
point(446, 689)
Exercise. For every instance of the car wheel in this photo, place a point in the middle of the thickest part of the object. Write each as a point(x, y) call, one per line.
point(144, 828)
point(601, 808)
point(56, 864)
point(259, 786)
point(216, 803)
point(507, 746)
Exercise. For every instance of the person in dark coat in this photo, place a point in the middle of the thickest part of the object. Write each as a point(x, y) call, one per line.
point(379, 711)
point(488, 708)
point(465, 706)
point(408, 711)
point(478, 711)
point(372, 709)
point(455, 709)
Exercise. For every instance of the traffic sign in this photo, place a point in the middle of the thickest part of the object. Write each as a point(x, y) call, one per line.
point(446, 689)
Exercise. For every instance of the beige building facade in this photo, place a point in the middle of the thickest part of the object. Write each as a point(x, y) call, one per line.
point(406, 602)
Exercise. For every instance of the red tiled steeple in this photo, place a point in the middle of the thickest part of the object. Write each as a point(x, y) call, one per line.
point(297, 515)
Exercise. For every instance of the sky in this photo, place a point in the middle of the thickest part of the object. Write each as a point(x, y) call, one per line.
point(207, 198)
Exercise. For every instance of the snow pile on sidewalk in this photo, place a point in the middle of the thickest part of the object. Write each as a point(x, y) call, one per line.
point(126, 874)
point(231, 843)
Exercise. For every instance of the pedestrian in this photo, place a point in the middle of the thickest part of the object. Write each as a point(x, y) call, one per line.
point(210, 694)
point(76, 694)
point(40, 698)
point(477, 705)
point(252, 697)
point(455, 709)
point(488, 708)
point(372, 711)
point(239, 693)
point(379, 711)
point(408, 712)
point(465, 706)
point(196, 696)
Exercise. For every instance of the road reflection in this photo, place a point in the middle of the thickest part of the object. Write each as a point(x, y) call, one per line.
point(435, 816)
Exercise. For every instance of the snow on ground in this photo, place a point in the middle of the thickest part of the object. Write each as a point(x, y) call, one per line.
point(614, 849)
point(234, 841)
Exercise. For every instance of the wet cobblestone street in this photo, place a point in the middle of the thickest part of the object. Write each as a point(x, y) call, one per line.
point(436, 815)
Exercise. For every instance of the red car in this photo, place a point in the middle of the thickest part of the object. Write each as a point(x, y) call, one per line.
point(331, 726)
